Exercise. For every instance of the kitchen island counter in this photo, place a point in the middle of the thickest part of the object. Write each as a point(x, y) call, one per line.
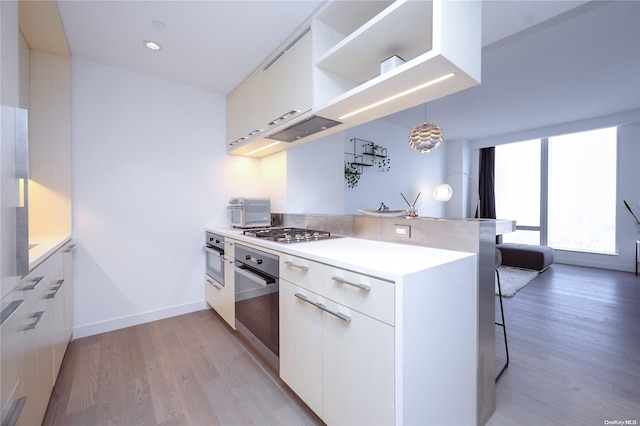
point(386, 260)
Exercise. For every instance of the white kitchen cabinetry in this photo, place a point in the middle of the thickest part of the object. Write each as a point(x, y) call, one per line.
point(34, 338)
point(280, 90)
point(439, 40)
point(244, 110)
point(287, 83)
point(338, 360)
point(222, 297)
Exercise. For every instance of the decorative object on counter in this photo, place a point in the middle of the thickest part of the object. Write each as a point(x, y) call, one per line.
point(365, 154)
point(444, 192)
point(411, 211)
point(383, 207)
point(383, 213)
point(427, 136)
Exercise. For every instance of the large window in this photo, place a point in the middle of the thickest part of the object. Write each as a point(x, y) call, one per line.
point(561, 190)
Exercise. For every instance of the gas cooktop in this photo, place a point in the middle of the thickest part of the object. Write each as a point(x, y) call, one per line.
point(288, 235)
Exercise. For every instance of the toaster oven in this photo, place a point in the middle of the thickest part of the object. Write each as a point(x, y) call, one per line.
point(249, 212)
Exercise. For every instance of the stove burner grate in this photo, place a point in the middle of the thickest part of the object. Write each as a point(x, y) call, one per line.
point(287, 234)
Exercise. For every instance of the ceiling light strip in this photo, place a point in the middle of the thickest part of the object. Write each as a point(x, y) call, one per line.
point(398, 95)
point(260, 149)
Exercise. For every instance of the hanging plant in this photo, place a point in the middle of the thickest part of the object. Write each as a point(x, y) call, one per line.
point(384, 163)
point(351, 174)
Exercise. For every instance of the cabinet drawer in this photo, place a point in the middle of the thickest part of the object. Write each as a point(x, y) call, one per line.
point(368, 295)
point(303, 272)
point(40, 278)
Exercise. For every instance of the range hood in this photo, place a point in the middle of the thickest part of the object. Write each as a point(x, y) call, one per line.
point(304, 128)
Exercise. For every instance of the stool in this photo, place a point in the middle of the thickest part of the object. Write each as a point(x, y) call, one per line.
point(502, 324)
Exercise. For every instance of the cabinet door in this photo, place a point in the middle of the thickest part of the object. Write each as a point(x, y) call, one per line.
point(243, 109)
point(287, 83)
point(301, 345)
point(358, 369)
point(221, 299)
point(57, 295)
point(67, 262)
point(11, 349)
point(37, 362)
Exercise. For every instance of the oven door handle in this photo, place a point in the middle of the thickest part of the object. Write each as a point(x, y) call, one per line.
point(212, 251)
point(253, 277)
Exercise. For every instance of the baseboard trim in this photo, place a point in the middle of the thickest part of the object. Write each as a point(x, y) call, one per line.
point(129, 321)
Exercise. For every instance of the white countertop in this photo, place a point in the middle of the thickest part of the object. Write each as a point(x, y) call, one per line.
point(45, 247)
point(381, 259)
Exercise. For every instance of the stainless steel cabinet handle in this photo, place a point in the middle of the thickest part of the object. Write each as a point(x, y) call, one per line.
point(213, 283)
point(70, 248)
point(14, 412)
point(54, 289)
point(37, 317)
point(35, 281)
point(301, 267)
point(322, 307)
point(9, 309)
point(283, 117)
point(343, 281)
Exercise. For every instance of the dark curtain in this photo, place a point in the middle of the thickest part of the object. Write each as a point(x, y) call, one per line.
point(487, 183)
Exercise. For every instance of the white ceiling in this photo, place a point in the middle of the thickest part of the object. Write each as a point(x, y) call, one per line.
point(214, 45)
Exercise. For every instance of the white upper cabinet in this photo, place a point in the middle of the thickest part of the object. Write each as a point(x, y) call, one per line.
point(439, 41)
point(287, 83)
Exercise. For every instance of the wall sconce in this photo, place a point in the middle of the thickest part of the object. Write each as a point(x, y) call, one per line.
point(444, 192)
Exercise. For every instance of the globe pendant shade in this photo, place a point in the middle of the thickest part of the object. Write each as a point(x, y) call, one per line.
point(425, 137)
point(442, 192)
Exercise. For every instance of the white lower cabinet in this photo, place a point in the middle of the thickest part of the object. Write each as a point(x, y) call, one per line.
point(220, 297)
point(34, 339)
point(339, 361)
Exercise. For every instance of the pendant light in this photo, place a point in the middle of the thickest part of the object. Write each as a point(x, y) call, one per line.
point(427, 136)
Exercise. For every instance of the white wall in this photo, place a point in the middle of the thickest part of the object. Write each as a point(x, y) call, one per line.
point(411, 172)
point(150, 172)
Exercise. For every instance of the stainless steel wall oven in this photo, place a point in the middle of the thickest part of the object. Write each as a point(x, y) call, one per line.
point(214, 250)
point(256, 279)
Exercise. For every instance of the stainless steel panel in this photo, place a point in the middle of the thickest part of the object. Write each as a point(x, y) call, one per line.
point(22, 174)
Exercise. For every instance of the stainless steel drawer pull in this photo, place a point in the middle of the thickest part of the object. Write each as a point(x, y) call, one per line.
point(343, 281)
point(70, 248)
point(213, 283)
point(322, 307)
point(34, 282)
point(283, 117)
point(14, 412)
point(37, 317)
point(10, 309)
point(54, 289)
point(293, 265)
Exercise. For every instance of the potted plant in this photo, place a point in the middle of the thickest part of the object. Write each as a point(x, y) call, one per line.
point(351, 174)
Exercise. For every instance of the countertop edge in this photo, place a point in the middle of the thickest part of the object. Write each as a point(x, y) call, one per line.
point(45, 247)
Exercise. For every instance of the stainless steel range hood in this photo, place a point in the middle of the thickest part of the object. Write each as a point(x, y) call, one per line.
point(304, 128)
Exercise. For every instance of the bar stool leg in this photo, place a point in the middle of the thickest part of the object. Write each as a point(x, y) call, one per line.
point(504, 328)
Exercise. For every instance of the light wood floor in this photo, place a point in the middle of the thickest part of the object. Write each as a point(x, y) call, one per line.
point(574, 346)
point(574, 341)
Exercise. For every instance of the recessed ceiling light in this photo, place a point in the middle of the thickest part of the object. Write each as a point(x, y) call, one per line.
point(159, 25)
point(152, 45)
